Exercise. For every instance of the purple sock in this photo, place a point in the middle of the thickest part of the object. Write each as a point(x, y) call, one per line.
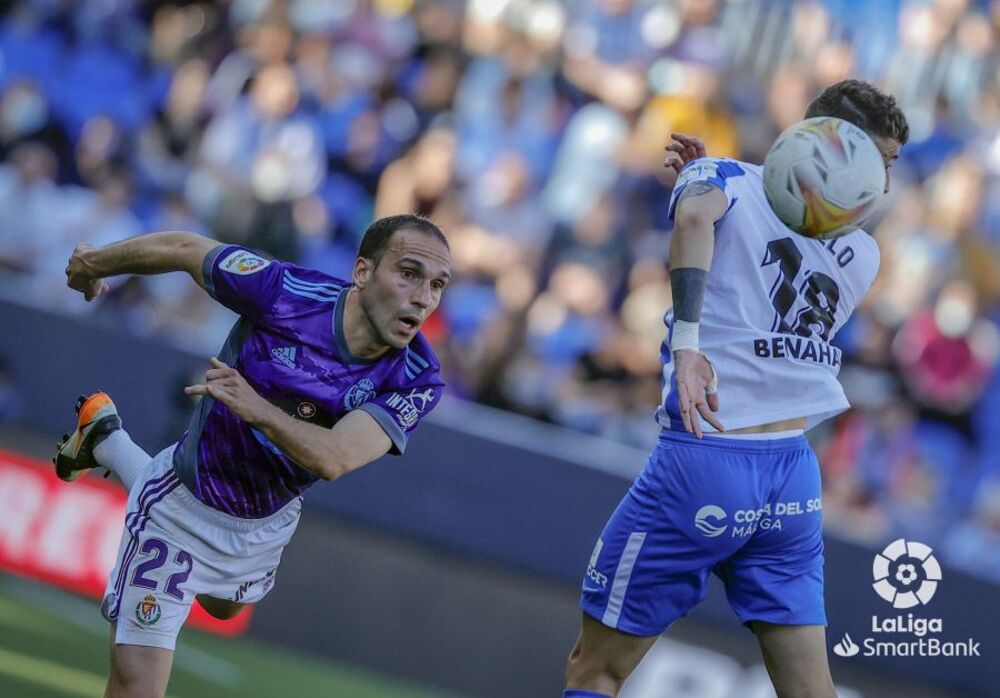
point(580, 693)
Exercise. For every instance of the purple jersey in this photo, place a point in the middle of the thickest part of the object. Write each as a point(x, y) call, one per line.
point(289, 345)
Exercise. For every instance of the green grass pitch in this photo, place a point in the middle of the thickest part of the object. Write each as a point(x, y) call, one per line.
point(54, 644)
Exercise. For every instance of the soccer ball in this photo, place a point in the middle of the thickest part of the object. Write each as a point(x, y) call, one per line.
point(823, 177)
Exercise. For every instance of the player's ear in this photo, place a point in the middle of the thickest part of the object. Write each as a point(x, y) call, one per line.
point(363, 270)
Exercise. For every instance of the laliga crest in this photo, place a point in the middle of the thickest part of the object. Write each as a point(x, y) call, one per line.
point(906, 574)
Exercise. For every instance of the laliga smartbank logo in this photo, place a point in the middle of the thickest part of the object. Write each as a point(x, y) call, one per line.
point(906, 575)
point(846, 647)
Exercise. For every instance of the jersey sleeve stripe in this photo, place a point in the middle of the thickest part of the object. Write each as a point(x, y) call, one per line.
point(412, 369)
point(309, 285)
point(308, 294)
point(291, 281)
point(321, 292)
point(418, 359)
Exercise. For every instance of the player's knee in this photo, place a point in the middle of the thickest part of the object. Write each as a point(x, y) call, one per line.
point(814, 683)
point(128, 680)
point(805, 687)
point(220, 608)
point(572, 663)
point(121, 675)
point(594, 671)
point(806, 690)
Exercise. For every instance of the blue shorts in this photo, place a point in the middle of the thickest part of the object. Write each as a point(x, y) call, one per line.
point(750, 511)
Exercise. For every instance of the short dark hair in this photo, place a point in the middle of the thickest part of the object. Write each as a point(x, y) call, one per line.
point(865, 106)
point(380, 232)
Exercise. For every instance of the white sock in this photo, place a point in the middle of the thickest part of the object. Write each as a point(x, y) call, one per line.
point(120, 454)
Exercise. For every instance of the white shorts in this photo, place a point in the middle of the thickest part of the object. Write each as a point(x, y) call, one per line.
point(174, 548)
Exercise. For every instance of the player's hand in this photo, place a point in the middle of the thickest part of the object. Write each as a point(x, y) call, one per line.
point(693, 374)
point(79, 277)
point(683, 150)
point(226, 385)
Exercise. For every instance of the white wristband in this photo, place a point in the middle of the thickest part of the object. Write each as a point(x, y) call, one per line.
point(684, 336)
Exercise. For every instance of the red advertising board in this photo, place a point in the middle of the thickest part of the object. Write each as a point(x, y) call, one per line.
point(68, 535)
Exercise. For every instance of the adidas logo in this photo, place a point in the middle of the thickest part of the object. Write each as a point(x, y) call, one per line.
point(285, 355)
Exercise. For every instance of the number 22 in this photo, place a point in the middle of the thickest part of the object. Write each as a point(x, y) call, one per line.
point(160, 552)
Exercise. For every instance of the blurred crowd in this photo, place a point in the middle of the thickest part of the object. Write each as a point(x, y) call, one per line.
point(532, 131)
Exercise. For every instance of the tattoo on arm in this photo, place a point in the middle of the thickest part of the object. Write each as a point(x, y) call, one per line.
point(688, 286)
point(697, 189)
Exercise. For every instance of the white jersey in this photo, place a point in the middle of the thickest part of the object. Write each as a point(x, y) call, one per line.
point(773, 301)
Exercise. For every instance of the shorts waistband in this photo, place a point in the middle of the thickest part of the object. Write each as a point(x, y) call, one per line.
point(186, 499)
point(759, 436)
point(783, 445)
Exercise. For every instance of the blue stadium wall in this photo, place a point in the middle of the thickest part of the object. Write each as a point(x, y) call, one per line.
point(458, 565)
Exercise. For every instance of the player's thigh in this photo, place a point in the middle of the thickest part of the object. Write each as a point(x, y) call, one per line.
point(651, 562)
point(777, 576)
point(152, 586)
point(603, 652)
point(137, 671)
point(223, 609)
point(796, 659)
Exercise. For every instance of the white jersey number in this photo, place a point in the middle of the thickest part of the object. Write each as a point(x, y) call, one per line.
point(819, 292)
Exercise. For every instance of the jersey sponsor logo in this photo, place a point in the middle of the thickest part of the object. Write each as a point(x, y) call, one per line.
point(285, 355)
point(409, 407)
point(243, 262)
point(266, 582)
point(769, 518)
point(147, 611)
point(305, 408)
point(703, 520)
point(359, 393)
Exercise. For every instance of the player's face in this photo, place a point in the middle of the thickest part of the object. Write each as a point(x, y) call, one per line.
point(405, 286)
point(889, 147)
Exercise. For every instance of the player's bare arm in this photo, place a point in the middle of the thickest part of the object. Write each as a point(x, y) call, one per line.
point(354, 441)
point(156, 253)
point(691, 248)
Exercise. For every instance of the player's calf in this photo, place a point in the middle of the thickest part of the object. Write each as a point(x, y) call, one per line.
point(796, 659)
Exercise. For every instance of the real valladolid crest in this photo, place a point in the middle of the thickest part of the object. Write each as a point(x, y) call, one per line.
point(906, 574)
